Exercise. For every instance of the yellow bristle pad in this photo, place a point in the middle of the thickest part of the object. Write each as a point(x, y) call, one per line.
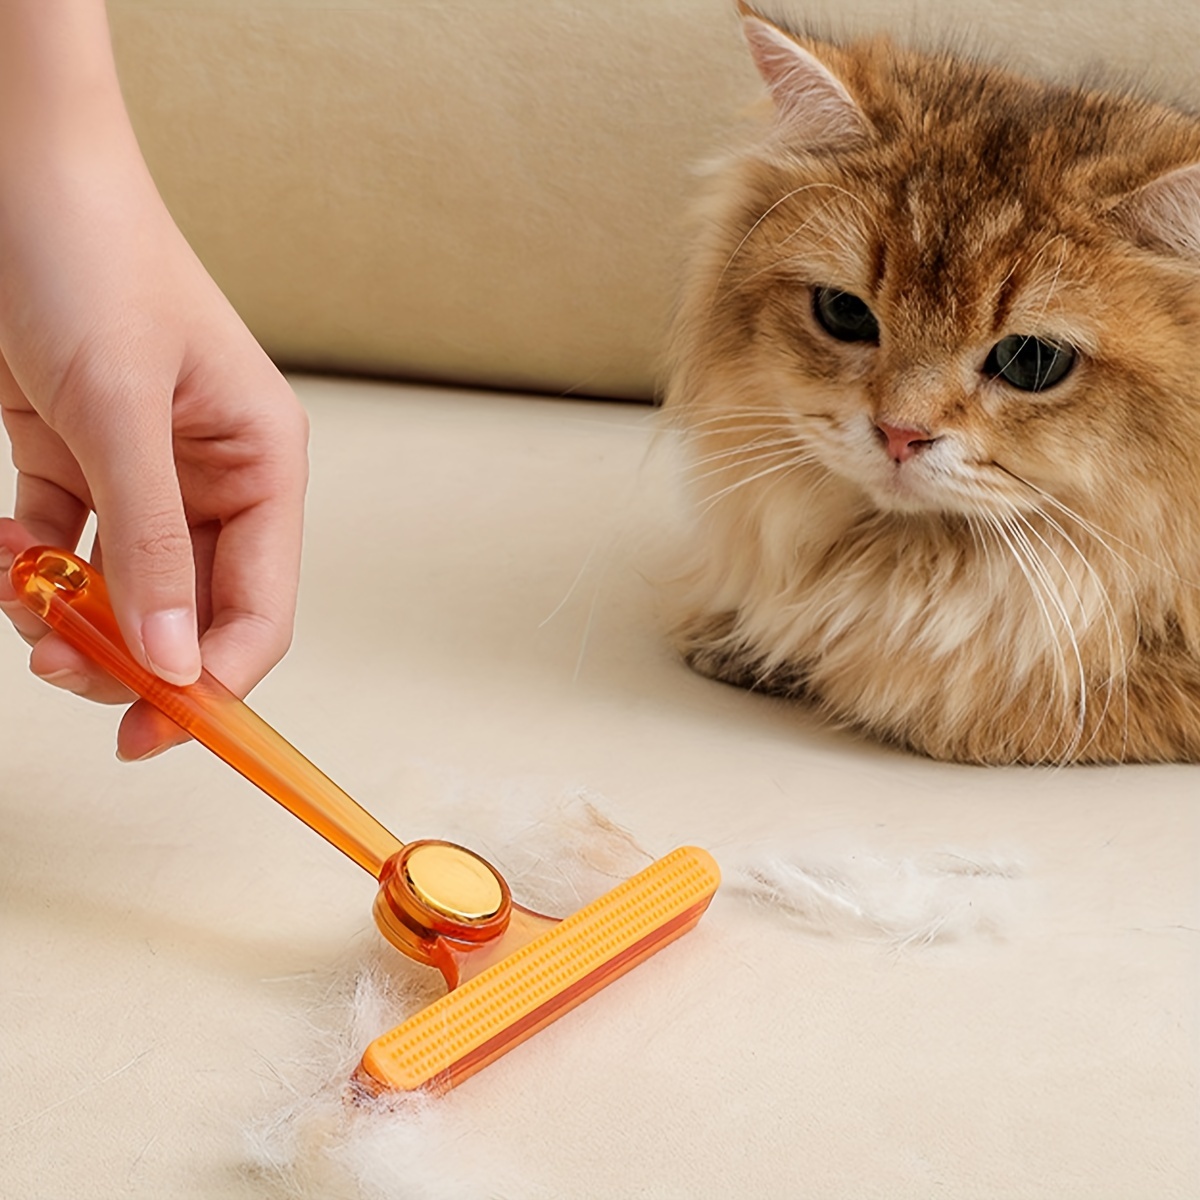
point(464, 1021)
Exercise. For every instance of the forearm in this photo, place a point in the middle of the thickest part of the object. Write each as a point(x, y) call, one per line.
point(60, 101)
point(69, 163)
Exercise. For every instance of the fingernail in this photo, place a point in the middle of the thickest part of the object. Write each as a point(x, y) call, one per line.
point(68, 680)
point(6, 558)
point(169, 639)
point(142, 757)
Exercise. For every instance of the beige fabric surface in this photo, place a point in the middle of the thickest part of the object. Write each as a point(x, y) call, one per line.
point(490, 191)
point(477, 628)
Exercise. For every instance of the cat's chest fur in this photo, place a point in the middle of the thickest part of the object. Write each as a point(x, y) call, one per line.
point(928, 631)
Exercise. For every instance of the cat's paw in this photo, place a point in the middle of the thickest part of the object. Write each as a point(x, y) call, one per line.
point(710, 646)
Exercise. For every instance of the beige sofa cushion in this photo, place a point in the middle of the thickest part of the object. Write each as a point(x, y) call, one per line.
point(1008, 1009)
point(490, 191)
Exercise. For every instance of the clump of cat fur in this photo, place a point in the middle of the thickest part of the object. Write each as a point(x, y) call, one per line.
point(1022, 582)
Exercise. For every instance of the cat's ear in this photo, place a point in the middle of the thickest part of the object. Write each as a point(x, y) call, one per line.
point(812, 105)
point(1166, 211)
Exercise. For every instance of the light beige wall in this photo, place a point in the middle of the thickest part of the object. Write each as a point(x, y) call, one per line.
point(490, 191)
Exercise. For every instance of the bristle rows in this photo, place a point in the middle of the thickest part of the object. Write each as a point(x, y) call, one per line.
point(441, 1035)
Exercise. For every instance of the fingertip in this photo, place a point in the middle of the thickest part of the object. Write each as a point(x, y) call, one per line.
point(14, 538)
point(145, 733)
point(121, 758)
point(70, 681)
point(242, 653)
point(171, 647)
point(60, 664)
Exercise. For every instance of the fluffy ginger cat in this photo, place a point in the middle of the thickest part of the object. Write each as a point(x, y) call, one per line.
point(937, 369)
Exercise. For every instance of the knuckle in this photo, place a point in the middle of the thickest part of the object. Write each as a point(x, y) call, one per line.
point(86, 378)
point(251, 645)
point(287, 438)
point(159, 547)
point(295, 425)
point(109, 370)
point(275, 639)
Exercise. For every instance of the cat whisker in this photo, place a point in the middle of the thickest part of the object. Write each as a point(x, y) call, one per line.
point(1057, 604)
point(748, 453)
point(1117, 648)
point(1021, 519)
point(793, 468)
point(782, 459)
point(798, 267)
point(990, 523)
point(777, 418)
point(1118, 654)
point(1101, 587)
point(756, 429)
point(978, 540)
point(1049, 604)
point(803, 227)
point(999, 289)
point(788, 465)
point(1116, 643)
point(743, 410)
point(1093, 534)
point(747, 438)
point(1103, 537)
point(764, 438)
point(1055, 275)
point(807, 187)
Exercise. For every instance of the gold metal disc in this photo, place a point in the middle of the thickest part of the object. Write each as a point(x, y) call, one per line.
point(454, 882)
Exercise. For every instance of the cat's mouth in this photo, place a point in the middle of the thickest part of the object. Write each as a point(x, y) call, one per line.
point(942, 476)
point(909, 487)
point(934, 482)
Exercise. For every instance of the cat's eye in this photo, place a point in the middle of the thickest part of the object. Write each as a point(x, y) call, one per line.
point(1028, 363)
point(844, 316)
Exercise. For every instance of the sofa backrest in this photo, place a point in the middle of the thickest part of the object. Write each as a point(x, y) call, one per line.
point(492, 192)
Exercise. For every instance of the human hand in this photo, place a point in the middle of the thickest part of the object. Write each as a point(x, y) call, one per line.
point(129, 387)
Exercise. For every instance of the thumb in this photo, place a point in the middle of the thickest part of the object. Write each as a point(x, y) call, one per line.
point(144, 537)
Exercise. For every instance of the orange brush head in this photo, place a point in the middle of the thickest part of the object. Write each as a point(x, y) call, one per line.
point(539, 980)
point(511, 971)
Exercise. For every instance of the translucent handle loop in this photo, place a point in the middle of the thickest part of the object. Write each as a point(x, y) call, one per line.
point(71, 597)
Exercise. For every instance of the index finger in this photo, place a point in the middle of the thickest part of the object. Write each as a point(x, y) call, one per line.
point(255, 578)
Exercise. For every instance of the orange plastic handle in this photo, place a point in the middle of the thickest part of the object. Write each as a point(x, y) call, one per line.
point(512, 971)
point(71, 597)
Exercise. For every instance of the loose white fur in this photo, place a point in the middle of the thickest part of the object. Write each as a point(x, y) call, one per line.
point(558, 856)
point(847, 890)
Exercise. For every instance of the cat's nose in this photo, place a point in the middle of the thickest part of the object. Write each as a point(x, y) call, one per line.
point(903, 441)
